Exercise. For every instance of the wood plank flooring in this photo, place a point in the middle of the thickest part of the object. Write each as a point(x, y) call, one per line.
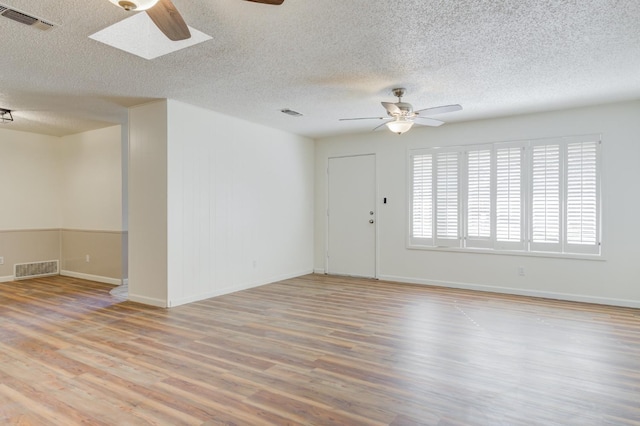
point(314, 350)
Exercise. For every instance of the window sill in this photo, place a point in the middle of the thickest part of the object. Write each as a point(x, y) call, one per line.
point(596, 257)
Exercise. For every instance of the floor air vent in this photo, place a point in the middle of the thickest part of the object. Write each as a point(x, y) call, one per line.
point(22, 271)
point(23, 18)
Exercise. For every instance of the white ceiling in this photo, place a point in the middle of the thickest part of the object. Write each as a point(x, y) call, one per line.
point(327, 59)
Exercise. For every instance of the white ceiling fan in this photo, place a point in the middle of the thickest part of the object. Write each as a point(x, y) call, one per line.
point(401, 116)
point(166, 17)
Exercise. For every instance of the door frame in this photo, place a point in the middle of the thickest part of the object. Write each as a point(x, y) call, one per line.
point(376, 206)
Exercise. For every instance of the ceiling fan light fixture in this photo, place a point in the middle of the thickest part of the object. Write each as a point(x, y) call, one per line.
point(400, 125)
point(129, 5)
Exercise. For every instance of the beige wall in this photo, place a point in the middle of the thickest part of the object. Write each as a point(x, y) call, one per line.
point(61, 200)
point(70, 247)
point(91, 254)
point(23, 246)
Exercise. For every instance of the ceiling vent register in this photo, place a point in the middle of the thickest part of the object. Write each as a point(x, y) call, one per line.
point(23, 18)
point(291, 112)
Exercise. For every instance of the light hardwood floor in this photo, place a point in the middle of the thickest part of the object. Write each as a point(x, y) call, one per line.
point(314, 350)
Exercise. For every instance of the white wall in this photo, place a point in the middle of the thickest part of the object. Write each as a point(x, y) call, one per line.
point(148, 203)
point(239, 203)
point(30, 178)
point(69, 182)
point(91, 184)
point(613, 280)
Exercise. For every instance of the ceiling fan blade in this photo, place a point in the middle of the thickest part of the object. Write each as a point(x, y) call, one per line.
point(429, 121)
point(363, 118)
point(381, 125)
point(167, 18)
point(391, 108)
point(273, 2)
point(439, 110)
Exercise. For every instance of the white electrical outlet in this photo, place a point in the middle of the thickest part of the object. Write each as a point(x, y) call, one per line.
point(1, 260)
point(87, 258)
point(521, 271)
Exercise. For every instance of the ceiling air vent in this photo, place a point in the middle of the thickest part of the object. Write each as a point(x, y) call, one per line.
point(23, 18)
point(291, 112)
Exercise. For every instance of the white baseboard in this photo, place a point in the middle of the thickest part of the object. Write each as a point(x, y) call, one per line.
point(172, 303)
point(320, 271)
point(208, 295)
point(72, 274)
point(228, 290)
point(98, 278)
point(627, 303)
point(159, 303)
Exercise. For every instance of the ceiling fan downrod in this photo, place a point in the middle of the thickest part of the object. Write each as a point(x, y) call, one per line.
point(399, 93)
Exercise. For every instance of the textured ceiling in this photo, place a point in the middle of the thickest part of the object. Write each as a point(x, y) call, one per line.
point(327, 59)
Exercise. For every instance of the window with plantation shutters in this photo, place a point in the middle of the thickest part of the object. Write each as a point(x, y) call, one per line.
point(422, 198)
point(447, 201)
point(529, 196)
point(479, 198)
point(582, 197)
point(509, 197)
point(545, 197)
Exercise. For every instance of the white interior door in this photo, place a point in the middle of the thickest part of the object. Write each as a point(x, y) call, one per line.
point(352, 216)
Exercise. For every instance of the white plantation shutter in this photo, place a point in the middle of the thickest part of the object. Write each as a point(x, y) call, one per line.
point(509, 197)
point(478, 198)
point(537, 196)
point(447, 202)
point(422, 199)
point(545, 212)
point(582, 197)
